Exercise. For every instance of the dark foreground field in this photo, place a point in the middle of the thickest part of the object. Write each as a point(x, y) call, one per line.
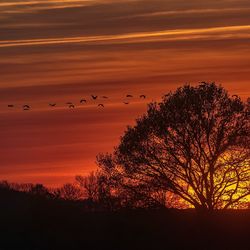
point(35, 223)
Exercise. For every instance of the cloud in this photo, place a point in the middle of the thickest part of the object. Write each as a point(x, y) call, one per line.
point(98, 18)
point(225, 32)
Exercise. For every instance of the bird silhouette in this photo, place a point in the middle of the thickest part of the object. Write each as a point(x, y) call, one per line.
point(71, 106)
point(94, 97)
point(126, 103)
point(100, 105)
point(105, 97)
point(69, 103)
point(83, 101)
point(142, 96)
point(235, 96)
point(10, 106)
point(129, 96)
point(52, 104)
point(26, 107)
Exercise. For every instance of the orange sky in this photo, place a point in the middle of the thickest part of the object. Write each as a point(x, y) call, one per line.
point(59, 51)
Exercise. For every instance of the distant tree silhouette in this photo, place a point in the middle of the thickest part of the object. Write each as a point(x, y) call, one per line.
point(68, 191)
point(97, 190)
point(194, 144)
point(29, 188)
point(39, 190)
point(5, 185)
point(89, 185)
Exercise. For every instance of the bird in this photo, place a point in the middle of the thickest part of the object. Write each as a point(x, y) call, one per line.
point(142, 96)
point(235, 96)
point(129, 96)
point(69, 103)
point(10, 106)
point(126, 103)
point(83, 101)
point(100, 105)
point(71, 106)
point(94, 97)
point(52, 104)
point(26, 107)
point(105, 97)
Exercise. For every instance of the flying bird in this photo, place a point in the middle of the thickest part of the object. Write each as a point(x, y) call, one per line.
point(142, 96)
point(94, 97)
point(26, 107)
point(235, 96)
point(83, 101)
point(129, 96)
point(52, 104)
point(126, 103)
point(10, 106)
point(69, 103)
point(100, 105)
point(105, 97)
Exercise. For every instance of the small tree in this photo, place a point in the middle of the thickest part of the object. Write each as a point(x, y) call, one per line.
point(39, 190)
point(89, 185)
point(68, 191)
point(97, 189)
point(194, 144)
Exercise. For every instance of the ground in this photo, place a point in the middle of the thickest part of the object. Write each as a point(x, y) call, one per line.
point(36, 223)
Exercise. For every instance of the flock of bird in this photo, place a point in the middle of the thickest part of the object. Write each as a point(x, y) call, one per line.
point(71, 105)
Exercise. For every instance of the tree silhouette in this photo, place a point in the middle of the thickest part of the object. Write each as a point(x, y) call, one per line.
point(97, 190)
point(39, 190)
point(89, 185)
point(68, 191)
point(194, 144)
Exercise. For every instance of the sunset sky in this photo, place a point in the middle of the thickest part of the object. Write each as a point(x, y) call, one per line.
point(63, 51)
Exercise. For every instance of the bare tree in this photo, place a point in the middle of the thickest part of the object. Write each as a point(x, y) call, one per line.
point(194, 144)
point(89, 185)
point(68, 191)
point(98, 190)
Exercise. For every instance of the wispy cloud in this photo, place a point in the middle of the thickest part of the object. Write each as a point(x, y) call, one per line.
point(188, 12)
point(242, 31)
point(45, 3)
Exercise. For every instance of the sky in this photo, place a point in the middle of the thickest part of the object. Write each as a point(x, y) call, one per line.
point(63, 51)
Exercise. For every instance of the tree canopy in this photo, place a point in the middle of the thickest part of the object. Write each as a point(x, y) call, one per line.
point(194, 144)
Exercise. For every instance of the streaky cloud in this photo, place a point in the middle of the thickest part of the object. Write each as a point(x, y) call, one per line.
point(219, 32)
